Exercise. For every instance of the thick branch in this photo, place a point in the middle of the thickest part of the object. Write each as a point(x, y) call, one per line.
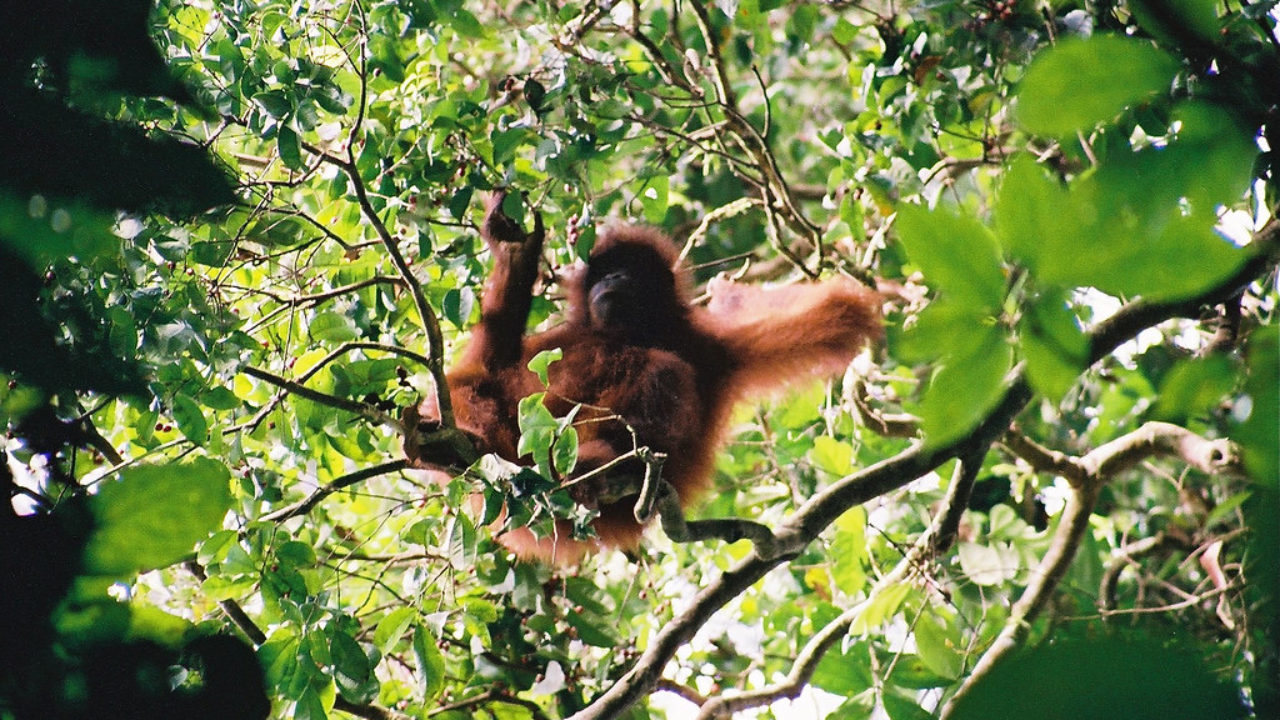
point(1155, 439)
point(1043, 459)
point(806, 663)
point(883, 424)
point(730, 530)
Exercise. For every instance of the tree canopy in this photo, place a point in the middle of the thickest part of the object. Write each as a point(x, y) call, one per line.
point(238, 239)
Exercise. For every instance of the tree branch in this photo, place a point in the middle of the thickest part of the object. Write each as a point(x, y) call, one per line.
point(431, 324)
point(231, 609)
point(1128, 555)
point(779, 195)
point(1053, 566)
point(358, 408)
point(1042, 459)
point(337, 352)
point(937, 538)
point(304, 506)
point(320, 297)
point(1156, 439)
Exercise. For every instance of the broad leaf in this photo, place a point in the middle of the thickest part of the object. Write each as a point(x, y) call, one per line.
point(966, 387)
point(154, 515)
point(958, 255)
point(1083, 82)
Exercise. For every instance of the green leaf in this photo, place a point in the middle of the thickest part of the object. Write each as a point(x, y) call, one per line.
point(965, 388)
point(41, 232)
point(565, 451)
point(457, 305)
point(958, 255)
point(458, 18)
point(1096, 679)
point(309, 706)
point(1144, 220)
point(276, 103)
point(1257, 411)
point(332, 99)
point(534, 94)
point(537, 432)
point(831, 455)
point(938, 649)
point(513, 206)
point(351, 668)
point(505, 143)
point(1033, 214)
point(278, 657)
point(219, 588)
point(1210, 161)
point(846, 672)
point(459, 201)
point(1082, 82)
point(898, 707)
point(1194, 388)
point(844, 32)
point(933, 334)
point(1177, 21)
point(392, 627)
point(155, 624)
point(384, 55)
point(122, 332)
point(431, 666)
point(882, 604)
point(220, 398)
point(190, 419)
point(154, 515)
point(911, 672)
point(654, 195)
point(1188, 258)
point(296, 554)
point(849, 551)
point(592, 631)
point(290, 148)
point(216, 547)
point(1053, 345)
point(333, 327)
point(542, 361)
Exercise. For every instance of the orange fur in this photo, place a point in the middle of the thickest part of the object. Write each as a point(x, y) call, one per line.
point(675, 389)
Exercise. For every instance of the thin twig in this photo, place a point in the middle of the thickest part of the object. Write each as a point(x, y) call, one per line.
point(352, 406)
point(304, 506)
